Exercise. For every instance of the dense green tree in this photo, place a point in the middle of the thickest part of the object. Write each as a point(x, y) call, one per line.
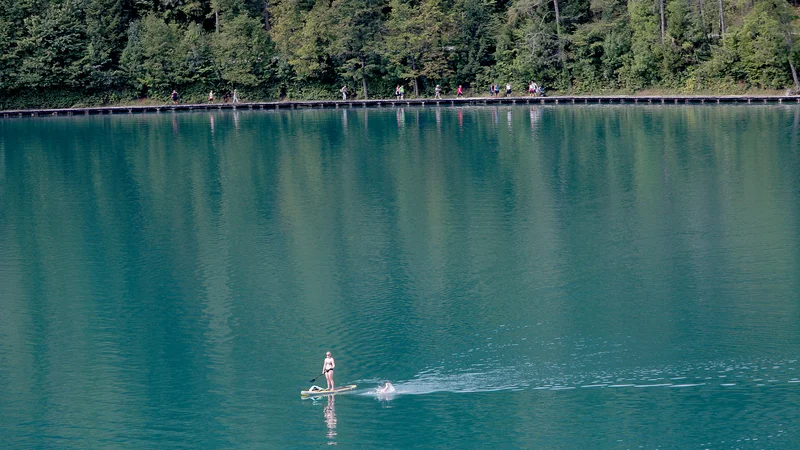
point(415, 41)
point(133, 57)
point(8, 57)
point(528, 46)
point(600, 47)
point(309, 48)
point(161, 53)
point(242, 52)
point(105, 38)
point(303, 31)
point(227, 10)
point(356, 40)
point(785, 19)
point(287, 31)
point(642, 68)
point(473, 41)
point(684, 42)
point(760, 51)
point(761, 45)
point(198, 62)
point(52, 48)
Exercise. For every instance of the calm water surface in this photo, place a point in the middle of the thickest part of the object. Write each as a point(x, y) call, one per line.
point(538, 277)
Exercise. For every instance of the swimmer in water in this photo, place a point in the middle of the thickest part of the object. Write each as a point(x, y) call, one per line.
point(387, 388)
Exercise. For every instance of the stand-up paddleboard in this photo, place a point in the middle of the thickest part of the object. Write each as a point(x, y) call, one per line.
point(338, 390)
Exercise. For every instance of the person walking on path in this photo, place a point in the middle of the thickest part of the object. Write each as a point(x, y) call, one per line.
point(508, 89)
point(211, 96)
point(327, 368)
point(343, 90)
point(402, 92)
point(174, 96)
point(437, 92)
point(459, 92)
point(397, 92)
point(235, 96)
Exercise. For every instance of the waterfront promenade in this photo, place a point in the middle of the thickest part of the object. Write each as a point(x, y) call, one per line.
point(389, 103)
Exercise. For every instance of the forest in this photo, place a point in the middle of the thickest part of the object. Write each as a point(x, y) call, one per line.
point(61, 53)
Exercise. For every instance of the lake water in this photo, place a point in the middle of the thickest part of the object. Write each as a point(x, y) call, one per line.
point(537, 277)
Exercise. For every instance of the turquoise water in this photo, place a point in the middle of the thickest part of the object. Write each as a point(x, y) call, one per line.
point(538, 277)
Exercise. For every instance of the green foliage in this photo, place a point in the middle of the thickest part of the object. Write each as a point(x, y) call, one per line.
point(722, 68)
point(133, 57)
point(642, 69)
point(52, 47)
point(761, 47)
point(473, 39)
point(62, 98)
point(198, 62)
point(685, 42)
point(530, 46)
point(415, 41)
point(587, 58)
point(309, 55)
point(242, 52)
point(105, 51)
point(600, 49)
point(105, 34)
point(356, 40)
point(8, 57)
point(755, 53)
point(161, 53)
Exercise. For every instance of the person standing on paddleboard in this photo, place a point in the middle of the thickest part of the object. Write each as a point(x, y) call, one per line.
point(327, 369)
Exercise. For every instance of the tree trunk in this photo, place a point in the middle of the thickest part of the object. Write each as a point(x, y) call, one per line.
point(558, 32)
point(265, 13)
point(794, 74)
point(558, 18)
point(788, 37)
point(416, 85)
point(216, 19)
point(661, 8)
point(703, 20)
point(785, 20)
point(364, 77)
point(721, 18)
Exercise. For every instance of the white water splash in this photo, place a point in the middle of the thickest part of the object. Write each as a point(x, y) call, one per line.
point(483, 378)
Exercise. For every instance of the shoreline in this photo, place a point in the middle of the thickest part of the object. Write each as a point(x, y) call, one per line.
point(375, 103)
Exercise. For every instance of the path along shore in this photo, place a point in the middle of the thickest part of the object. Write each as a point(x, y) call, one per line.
point(311, 104)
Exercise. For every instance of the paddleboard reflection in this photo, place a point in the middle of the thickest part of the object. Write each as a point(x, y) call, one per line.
point(330, 419)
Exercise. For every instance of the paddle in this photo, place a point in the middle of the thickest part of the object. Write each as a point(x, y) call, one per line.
point(315, 378)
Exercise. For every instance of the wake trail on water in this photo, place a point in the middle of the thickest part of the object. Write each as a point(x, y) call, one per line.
point(711, 375)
